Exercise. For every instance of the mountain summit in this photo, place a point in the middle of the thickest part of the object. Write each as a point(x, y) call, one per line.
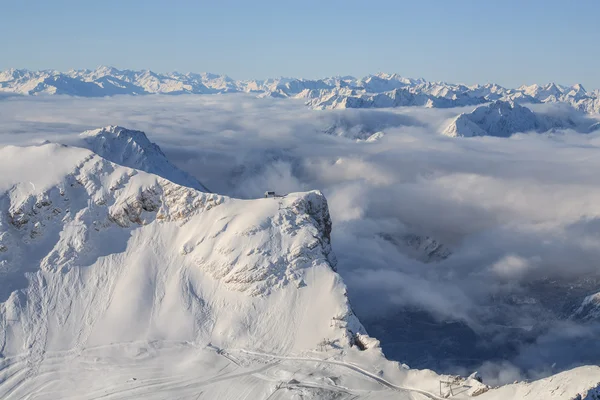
point(502, 119)
point(133, 149)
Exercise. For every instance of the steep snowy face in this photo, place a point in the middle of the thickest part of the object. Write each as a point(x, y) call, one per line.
point(133, 149)
point(502, 119)
point(94, 253)
point(576, 92)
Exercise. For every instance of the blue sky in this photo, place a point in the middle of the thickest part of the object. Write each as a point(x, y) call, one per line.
point(471, 41)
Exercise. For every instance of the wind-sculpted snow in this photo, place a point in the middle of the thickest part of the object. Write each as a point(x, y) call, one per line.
point(373, 91)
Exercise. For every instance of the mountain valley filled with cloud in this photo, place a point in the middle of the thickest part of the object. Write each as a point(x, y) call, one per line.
point(358, 201)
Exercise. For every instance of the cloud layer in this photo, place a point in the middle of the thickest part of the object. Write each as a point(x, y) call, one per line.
point(520, 215)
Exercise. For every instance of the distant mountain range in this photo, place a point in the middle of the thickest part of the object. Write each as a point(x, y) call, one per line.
point(373, 91)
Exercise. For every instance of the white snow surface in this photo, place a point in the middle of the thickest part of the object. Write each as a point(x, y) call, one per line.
point(116, 283)
point(373, 91)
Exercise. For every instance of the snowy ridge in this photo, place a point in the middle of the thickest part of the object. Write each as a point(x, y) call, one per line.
point(134, 150)
point(502, 119)
point(373, 91)
point(394, 98)
point(446, 95)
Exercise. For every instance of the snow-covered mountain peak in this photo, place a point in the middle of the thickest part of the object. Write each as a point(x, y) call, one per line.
point(504, 107)
point(11, 74)
point(544, 93)
point(576, 92)
point(245, 253)
point(133, 149)
point(504, 118)
point(499, 118)
point(578, 87)
point(255, 274)
point(105, 70)
point(114, 131)
point(111, 134)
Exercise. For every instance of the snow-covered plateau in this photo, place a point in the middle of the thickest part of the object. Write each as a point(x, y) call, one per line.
point(121, 277)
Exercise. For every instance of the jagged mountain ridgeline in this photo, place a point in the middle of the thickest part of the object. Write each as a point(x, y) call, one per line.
point(373, 91)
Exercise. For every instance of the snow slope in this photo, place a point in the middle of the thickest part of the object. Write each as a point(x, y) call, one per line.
point(118, 284)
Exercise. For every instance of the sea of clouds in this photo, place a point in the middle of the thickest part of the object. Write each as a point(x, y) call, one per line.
point(521, 215)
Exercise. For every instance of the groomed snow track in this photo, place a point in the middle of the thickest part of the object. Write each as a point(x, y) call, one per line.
point(348, 365)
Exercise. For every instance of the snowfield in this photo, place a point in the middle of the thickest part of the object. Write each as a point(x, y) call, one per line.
point(116, 283)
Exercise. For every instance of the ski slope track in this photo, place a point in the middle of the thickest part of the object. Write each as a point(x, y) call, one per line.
point(350, 366)
point(118, 282)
